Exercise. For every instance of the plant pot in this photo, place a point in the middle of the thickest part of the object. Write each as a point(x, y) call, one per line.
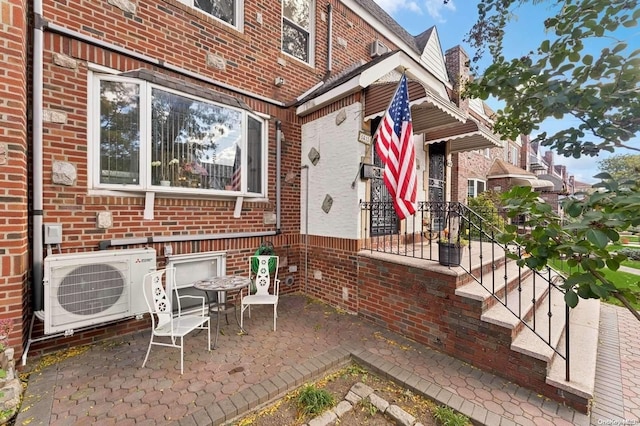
point(165, 183)
point(449, 254)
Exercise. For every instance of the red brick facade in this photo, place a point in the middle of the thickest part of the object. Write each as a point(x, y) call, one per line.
point(14, 253)
point(169, 37)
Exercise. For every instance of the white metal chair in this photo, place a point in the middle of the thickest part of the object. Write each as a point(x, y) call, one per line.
point(264, 273)
point(164, 323)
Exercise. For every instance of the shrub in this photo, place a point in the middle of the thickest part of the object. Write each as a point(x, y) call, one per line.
point(313, 401)
point(632, 254)
point(487, 206)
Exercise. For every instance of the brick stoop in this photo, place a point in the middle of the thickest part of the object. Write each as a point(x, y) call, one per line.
point(544, 312)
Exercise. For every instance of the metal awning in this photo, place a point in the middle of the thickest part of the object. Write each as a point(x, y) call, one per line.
point(533, 182)
point(466, 137)
point(429, 110)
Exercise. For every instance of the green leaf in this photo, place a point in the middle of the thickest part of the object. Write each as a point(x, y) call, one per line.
point(597, 238)
point(544, 47)
point(599, 291)
point(613, 264)
point(571, 299)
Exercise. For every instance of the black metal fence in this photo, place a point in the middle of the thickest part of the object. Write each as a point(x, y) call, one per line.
point(440, 226)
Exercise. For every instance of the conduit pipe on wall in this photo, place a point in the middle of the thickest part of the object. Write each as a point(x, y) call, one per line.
point(37, 260)
point(329, 38)
point(306, 227)
point(135, 55)
point(105, 244)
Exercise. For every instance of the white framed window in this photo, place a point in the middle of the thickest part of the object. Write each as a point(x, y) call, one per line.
point(228, 11)
point(148, 137)
point(297, 29)
point(515, 160)
point(475, 187)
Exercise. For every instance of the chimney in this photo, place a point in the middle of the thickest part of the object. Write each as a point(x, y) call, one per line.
point(525, 149)
point(457, 63)
point(548, 158)
point(562, 170)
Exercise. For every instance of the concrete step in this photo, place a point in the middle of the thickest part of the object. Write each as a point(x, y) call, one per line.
point(497, 281)
point(538, 340)
point(518, 303)
point(584, 334)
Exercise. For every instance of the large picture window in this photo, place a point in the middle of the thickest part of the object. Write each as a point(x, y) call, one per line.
point(297, 19)
point(228, 11)
point(154, 137)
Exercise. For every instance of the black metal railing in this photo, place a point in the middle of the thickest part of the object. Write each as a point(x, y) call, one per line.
point(488, 262)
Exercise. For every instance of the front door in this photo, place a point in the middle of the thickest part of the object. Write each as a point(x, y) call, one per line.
point(384, 220)
point(437, 176)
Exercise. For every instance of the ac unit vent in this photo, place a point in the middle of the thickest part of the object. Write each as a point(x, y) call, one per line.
point(85, 289)
point(378, 48)
point(91, 289)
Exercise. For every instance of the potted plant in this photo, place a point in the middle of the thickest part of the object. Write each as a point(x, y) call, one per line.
point(265, 249)
point(450, 248)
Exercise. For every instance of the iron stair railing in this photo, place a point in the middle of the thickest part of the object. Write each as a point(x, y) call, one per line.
point(454, 222)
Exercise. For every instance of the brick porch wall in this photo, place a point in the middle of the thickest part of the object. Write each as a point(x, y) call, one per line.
point(422, 305)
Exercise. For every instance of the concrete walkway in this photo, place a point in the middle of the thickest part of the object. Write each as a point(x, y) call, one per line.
point(105, 385)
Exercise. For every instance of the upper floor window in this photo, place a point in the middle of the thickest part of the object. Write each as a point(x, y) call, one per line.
point(228, 11)
point(475, 187)
point(151, 137)
point(515, 154)
point(297, 23)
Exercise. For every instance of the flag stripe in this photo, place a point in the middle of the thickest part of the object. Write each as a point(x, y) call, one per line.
point(236, 177)
point(394, 145)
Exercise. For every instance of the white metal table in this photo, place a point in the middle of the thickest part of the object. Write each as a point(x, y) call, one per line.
point(222, 285)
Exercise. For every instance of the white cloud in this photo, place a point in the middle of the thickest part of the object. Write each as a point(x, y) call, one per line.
point(436, 7)
point(392, 6)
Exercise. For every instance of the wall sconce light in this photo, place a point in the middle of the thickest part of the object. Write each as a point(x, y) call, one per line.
point(279, 81)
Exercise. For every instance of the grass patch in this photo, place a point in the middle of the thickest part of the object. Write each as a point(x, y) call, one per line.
point(448, 417)
point(313, 401)
point(618, 278)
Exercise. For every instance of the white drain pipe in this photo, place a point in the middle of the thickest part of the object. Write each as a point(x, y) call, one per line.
point(37, 265)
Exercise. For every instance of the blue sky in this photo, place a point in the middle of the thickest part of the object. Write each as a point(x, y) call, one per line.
point(454, 20)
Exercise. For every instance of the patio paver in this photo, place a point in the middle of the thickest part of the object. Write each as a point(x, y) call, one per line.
point(261, 365)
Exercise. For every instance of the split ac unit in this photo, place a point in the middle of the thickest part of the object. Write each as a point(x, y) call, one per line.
point(84, 289)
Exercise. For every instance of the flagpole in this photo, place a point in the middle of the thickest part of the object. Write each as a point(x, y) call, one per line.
point(355, 179)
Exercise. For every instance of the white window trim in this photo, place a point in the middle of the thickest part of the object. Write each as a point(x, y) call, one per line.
point(239, 14)
point(93, 154)
point(475, 186)
point(312, 38)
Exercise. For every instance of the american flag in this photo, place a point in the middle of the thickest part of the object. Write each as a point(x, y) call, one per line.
point(395, 147)
point(235, 180)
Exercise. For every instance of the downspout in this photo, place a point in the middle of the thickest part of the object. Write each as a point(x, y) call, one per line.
point(306, 228)
point(329, 38)
point(37, 208)
point(278, 166)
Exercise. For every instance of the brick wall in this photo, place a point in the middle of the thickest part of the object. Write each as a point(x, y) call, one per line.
point(252, 58)
point(14, 252)
point(422, 305)
point(182, 37)
point(470, 165)
point(457, 63)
